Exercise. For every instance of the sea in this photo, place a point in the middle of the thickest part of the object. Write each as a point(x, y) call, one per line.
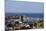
point(34, 15)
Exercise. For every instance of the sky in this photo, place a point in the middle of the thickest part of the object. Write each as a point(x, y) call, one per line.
point(23, 7)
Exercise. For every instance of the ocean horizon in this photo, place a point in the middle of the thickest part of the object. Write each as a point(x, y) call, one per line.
point(35, 15)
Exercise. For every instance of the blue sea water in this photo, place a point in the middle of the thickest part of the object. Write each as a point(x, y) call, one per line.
point(35, 15)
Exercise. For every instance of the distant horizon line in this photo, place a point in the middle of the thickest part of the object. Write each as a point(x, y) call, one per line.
point(40, 13)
